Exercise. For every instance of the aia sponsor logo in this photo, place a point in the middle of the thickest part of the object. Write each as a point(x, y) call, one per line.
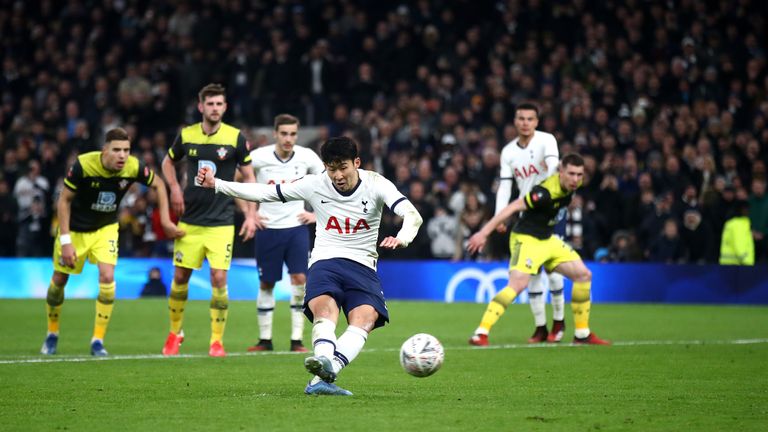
point(335, 224)
point(524, 172)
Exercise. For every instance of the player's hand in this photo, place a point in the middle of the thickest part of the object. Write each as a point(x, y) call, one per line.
point(307, 218)
point(171, 230)
point(248, 230)
point(476, 242)
point(177, 200)
point(501, 228)
point(68, 255)
point(259, 221)
point(391, 243)
point(205, 178)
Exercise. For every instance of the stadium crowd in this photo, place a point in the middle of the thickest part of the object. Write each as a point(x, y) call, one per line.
point(667, 101)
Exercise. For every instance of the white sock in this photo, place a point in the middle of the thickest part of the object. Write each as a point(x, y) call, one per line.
point(581, 333)
point(348, 347)
point(481, 331)
point(558, 299)
point(324, 337)
point(297, 315)
point(266, 308)
point(536, 299)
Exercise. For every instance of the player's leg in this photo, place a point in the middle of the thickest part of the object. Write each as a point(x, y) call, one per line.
point(296, 257)
point(498, 305)
point(103, 251)
point(104, 305)
point(523, 263)
point(366, 310)
point(298, 284)
point(219, 309)
point(556, 289)
point(580, 300)
point(53, 303)
point(270, 250)
point(324, 286)
point(55, 296)
point(265, 305)
point(188, 254)
point(537, 300)
point(558, 306)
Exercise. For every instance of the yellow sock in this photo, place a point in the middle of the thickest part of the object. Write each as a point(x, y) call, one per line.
point(53, 302)
point(104, 304)
point(497, 307)
point(219, 306)
point(176, 302)
point(580, 303)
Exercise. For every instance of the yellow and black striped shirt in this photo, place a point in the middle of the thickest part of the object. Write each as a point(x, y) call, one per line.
point(544, 202)
point(222, 151)
point(98, 191)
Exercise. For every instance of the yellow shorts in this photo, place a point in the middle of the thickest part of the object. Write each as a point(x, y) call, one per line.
point(200, 242)
point(98, 246)
point(528, 254)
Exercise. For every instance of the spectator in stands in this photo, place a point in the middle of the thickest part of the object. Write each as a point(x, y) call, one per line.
point(697, 238)
point(676, 107)
point(667, 247)
point(154, 287)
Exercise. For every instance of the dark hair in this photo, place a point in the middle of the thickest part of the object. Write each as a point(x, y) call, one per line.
point(212, 89)
point(338, 149)
point(285, 119)
point(572, 159)
point(527, 106)
point(117, 134)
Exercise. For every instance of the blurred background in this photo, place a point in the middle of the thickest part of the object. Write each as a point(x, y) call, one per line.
point(666, 100)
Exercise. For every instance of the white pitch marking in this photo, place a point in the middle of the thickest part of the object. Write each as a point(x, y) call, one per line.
point(80, 359)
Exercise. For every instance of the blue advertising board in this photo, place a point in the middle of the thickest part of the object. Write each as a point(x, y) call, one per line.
point(420, 280)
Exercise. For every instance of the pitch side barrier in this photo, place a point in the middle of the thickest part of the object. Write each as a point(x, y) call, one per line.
point(420, 280)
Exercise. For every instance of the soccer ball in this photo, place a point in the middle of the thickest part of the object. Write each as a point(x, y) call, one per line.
point(421, 355)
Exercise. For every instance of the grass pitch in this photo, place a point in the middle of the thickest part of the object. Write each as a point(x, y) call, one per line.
point(671, 368)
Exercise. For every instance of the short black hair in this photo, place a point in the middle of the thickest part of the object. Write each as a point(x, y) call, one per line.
point(338, 149)
point(572, 159)
point(527, 106)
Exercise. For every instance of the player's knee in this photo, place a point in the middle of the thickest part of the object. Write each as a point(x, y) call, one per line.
point(584, 275)
point(106, 278)
point(555, 282)
point(60, 279)
point(218, 278)
point(298, 279)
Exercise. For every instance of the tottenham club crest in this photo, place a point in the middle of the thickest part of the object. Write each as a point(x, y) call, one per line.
point(365, 208)
point(222, 152)
point(123, 184)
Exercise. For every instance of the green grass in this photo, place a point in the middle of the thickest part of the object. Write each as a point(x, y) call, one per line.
point(673, 368)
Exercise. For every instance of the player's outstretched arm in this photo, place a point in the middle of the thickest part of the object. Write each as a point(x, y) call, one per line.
point(477, 241)
point(248, 191)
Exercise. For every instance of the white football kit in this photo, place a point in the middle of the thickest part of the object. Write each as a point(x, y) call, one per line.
point(527, 166)
point(347, 223)
point(270, 169)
